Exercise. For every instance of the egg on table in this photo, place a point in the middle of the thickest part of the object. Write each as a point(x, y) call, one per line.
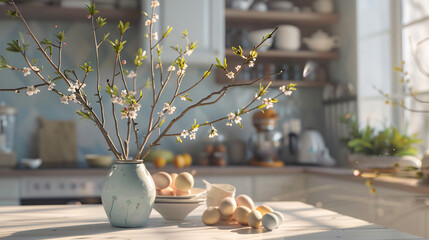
point(184, 181)
point(211, 216)
point(255, 219)
point(244, 200)
point(162, 180)
point(270, 221)
point(227, 207)
point(279, 216)
point(264, 209)
point(241, 214)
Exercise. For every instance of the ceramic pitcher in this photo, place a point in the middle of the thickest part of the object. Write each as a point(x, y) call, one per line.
point(128, 194)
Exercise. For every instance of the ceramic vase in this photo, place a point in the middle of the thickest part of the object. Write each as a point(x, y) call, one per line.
point(128, 194)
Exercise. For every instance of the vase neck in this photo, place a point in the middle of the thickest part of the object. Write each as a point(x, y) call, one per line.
point(129, 161)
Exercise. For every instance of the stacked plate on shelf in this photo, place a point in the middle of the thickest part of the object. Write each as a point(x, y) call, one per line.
point(176, 208)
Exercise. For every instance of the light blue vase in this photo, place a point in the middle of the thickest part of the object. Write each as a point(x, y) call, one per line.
point(128, 194)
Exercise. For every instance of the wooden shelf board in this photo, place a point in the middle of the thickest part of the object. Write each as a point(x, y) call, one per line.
point(279, 83)
point(281, 54)
point(35, 12)
point(314, 19)
point(340, 100)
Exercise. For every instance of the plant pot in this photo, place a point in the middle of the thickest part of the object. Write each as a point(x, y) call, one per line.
point(128, 194)
point(360, 161)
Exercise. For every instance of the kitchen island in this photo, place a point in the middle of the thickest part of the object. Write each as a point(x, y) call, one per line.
point(302, 222)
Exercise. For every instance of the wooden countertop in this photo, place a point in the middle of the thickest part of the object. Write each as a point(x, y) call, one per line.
point(302, 222)
point(404, 184)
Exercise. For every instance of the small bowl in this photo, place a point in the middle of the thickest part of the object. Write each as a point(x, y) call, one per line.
point(175, 211)
point(32, 163)
point(99, 161)
point(255, 37)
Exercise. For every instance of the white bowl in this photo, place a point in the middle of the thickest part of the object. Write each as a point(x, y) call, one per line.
point(255, 37)
point(241, 4)
point(175, 211)
point(282, 5)
point(31, 163)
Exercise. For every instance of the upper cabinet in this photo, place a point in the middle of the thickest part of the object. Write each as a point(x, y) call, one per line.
point(203, 19)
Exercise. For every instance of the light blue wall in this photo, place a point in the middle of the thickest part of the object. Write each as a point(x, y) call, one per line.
point(79, 49)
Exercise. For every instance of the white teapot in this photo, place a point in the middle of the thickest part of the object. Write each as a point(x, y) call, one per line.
point(320, 41)
point(323, 6)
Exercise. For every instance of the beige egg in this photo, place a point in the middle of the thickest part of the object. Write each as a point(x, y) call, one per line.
point(182, 193)
point(264, 209)
point(244, 200)
point(270, 221)
point(184, 181)
point(168, 191)
point(173, 180)
point(241, 214)
point(254, 219)
point(211, 216)
point(227, 207)
point(162, 180)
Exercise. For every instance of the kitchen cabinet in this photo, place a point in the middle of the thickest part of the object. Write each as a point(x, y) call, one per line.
point(9, 191)
point(204, 20)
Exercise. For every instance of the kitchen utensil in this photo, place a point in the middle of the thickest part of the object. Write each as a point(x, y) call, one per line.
point(103, 161)
point(309, 68)
point(241, 4)
point(320, 41)
point(175, 211)
point(7, 135)
point(281, 6)
point(288, 37)
point(57, 143)
point(256, 36)
point(217, 192)
point(312, 149)
point(323, 6)
point(32, 163)
point(260, 6)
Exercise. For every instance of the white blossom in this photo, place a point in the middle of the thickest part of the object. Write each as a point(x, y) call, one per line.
point(132, 114)
point(31, 90)
point(116, 99)
point(251, 64)
point(237, 68)
point(194, 130)
point(144, 53)
point(72, 88)
point(26, 71)
point(183, 98)
point(155, 16)
point(231, 116)
point(155, 35)
point(192, 136)
point(132, 74)
point(228, 124)
point(285, 91)
point(77, 85)
point(133, 93)
point(124, 93)
point(136, 106)
point(184, 133)
point(51, 86)
point(154, 3)
point(168, 108)
point(171, 68)
point(230, 75)
point(124, 114)
point(64, 99)
point(35, 68)
point(282, 88)
point(181, 72)
point(189, 52)
point(148, 22)
point(257, 96)
point(185, 66)
point(268, 103)
point(158, 66)
point(237, 119)
point(213, 132)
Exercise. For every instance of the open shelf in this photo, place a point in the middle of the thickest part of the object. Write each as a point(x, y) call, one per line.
point(280, 17)
point(36, 12)
point(279, 83)
point(281, 54)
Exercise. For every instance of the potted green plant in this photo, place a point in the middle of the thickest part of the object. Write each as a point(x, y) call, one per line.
point(387, 148)
point(128, 191)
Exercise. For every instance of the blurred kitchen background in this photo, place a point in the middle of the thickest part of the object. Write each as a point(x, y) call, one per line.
point(338, 52)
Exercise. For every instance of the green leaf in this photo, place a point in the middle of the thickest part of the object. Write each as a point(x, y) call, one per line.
point(14, 46)
point(84, 115)
point(178, 139)
point(100, 21)
point(206, 74)
point(12, 13)
point(123, 27)
point(162, 122)
point(165, 34)
point(91, 9)
point(60, 36)
point(106, 36)
point(3, 63)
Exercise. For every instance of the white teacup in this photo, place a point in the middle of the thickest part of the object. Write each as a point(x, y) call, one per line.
point(288, 38)
point(217, 192)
